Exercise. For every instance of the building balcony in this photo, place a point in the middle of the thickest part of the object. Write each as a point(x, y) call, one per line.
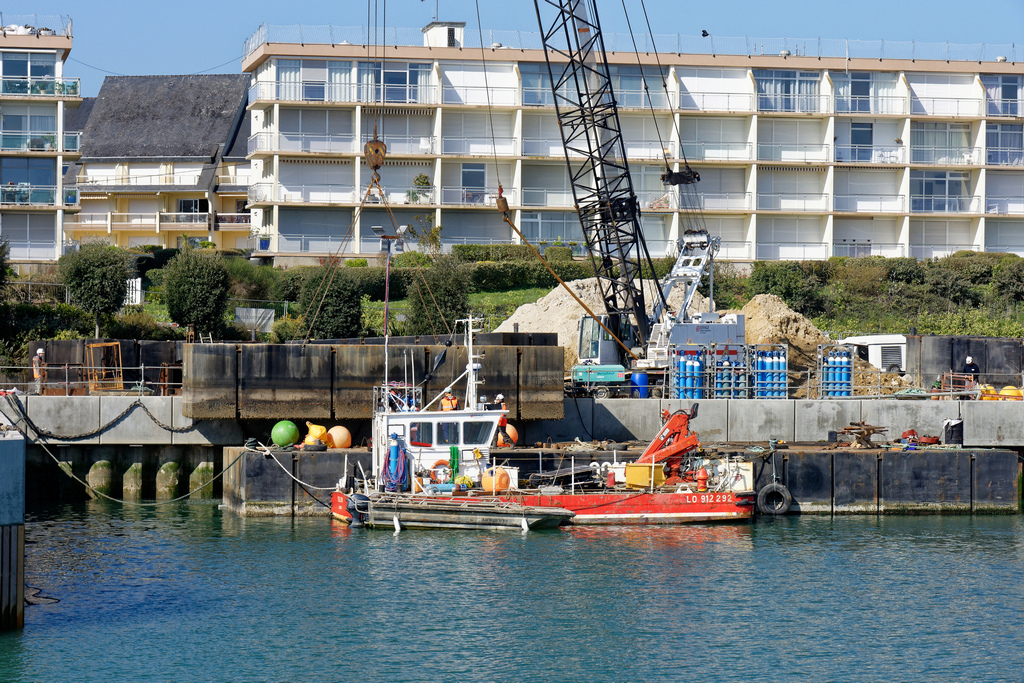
point(792, 201)
point(868, 104)
point(792, 251)
point(869, 203)
point(865, 248)
point(506, 146)
point(149, 221)
point(945, 156)
point(642, 99)
point(941, 204)
point(478, 95)
point(1005, 206)
point(945, 106)
point(1004, 156)
point(869, 154)
point(15, 141)
point(40, 87)
point(25, 250)
point(1000, 107)
point(320, 91)
point(240, 179)
point(645, 149)
point(793, 104)
point(262, 193)
point(723, 201)
point(535, 96)
point(474, 196)
point(232, 221)
point(1005, 248)
point(24, 194)
point(736, 251)
point(302, 142)
point(923, 252)
point(717, 151)
point(545, 197)
point(716, 101)
point(543, 147)
point(407, 195)
point(658, 200)
point(177, 179)
point(785, 151)
point(325, 244)
point(408, 144)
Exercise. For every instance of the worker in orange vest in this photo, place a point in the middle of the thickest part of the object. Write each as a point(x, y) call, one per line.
point(449, 402)
point(38, 371)
point(502, 421)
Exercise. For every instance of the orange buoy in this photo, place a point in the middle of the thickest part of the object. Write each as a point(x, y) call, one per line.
point(495, 480)
point(702, 479)
point(338, 437)
point(512, 434)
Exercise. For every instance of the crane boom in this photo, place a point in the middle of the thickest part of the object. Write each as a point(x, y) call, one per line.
point(596, 157)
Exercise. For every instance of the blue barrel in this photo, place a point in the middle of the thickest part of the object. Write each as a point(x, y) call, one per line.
point(639, 382)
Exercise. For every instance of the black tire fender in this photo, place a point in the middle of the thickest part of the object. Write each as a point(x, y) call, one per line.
point(774, 499)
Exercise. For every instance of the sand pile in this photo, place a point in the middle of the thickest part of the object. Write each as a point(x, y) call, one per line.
point(558, 311)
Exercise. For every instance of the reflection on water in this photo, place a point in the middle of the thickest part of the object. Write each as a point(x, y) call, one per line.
point(857, 598)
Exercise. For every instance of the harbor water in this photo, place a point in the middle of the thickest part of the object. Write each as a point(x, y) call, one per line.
point(193, 593)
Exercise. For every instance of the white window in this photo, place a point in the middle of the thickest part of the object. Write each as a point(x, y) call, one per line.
point(941, 191)
point(787, 91)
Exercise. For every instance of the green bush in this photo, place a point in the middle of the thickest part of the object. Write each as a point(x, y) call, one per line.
point(196, 285)
point(1009, 282)
point(356, 263)
point(412, 259)
point(558, 254)
point(440, 297)
point(253, 282)
point(490, 276)
point(471, 253)
point(786, 279)
point(135, 323)
point(293, 279)
point(97, 278)
point(904, 269)
point(286, 328)
point(330, 303)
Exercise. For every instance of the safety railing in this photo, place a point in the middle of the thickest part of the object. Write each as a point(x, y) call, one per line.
point(642, 99)
point(474, 196)
point(863, 249)
point(301, 142)
point(40, 87)
point(1005, 206)
point(232, 221)
point(407, 144)
point(923, 252)
point(412, 194)
point(317, 194)
point(76, 379)
point(793, 251)
point(29, 292)
point(1003, 107)
point(544, 197)
point(156, 178)
point(31, 249)
point(479, 95)
point(923, 203)
point(786, 151)
point(869, 203)
point(945, 106)
point(717, 151)
point(1004, 156)
point(645, 149)
point(716, 101)
point(944, 156)
point(724, 201)
point(780, 103)
point(792, 201)
point(479, 146)
point(870, 104)
point(658, 200)
point(24, 194)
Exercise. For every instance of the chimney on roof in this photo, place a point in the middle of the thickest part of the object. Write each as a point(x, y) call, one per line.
point(443, 34)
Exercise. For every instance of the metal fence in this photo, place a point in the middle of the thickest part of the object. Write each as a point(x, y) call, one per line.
point(75, 379)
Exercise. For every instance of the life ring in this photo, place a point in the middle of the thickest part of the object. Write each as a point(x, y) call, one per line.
point(433, 470)
point(774, 499)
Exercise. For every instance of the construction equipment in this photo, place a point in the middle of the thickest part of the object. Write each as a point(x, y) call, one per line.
point(610, 213)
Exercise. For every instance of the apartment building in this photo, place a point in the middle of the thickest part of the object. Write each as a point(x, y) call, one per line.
point(34, 145)
point(161, 163)
point(803, 153)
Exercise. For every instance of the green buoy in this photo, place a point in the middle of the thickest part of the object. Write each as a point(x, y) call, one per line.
point(284, 433)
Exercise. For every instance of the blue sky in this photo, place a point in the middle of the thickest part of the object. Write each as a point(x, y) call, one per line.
point(185, 36)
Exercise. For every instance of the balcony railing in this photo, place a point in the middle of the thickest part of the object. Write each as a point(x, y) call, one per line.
point(130, 221)
point(865, 248)
point(24, 194)
point(724, 201)
point(641, 99)
point(1004, 156)
point(869, 203)
point(792, 201)
point(302, 142)
point(232, 221)
point(186, 179)
point(785, 151)
point(792, 251)
point(920, 203)
point(318, 194)
point(1003, 107)
point(1005, 206)
point(929, 251)
point(658, 200)
point(870, 154)
point(944, 156)
point(545, 197)
point(542, 147)
point(320, 91)
point(40, 87)
point(1004, 248)
point(407, 195)
point(479, 95)
point(716, 101)
point(186, 218)
point(871, 104)
point(644, 149)
point(479, 146)
point(292, 243)
point(717, 151)
point(945, 106)
point(796, 104)
point(474, 196)
point(736, 251)
point(33, 249)
point(233, 179)
point(13, 141)
point(407, 144)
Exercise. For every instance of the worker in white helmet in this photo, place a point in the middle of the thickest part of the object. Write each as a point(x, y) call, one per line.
point(38, 372)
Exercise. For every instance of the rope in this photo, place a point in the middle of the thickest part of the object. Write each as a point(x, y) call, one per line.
point(23, 415)
point(303, 485)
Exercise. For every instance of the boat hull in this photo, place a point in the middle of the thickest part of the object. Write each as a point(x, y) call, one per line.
point(644, 507)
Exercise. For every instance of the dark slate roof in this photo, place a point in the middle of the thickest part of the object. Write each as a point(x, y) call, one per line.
point(164, 117)
point(239, 146)
point(76, 118)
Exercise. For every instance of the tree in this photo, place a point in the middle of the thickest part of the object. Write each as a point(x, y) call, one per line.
point(5, 252)
point(1009, 282)
point(97, 278)
point(331, 305)
point(439, 296)
point(197, 284)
